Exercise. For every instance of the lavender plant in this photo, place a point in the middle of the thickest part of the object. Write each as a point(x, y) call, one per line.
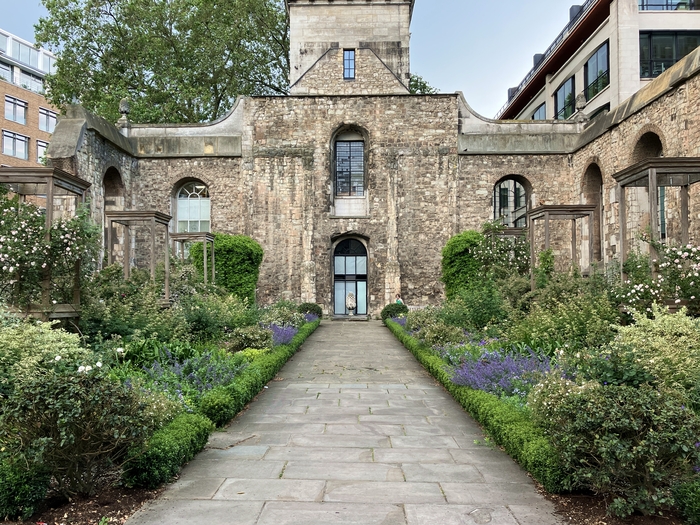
point(282, 335)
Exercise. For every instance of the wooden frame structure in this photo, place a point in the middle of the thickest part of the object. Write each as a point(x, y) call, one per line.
point(205, 238)
point(571, 212)
point(51, 182)
point(153, 218)
point(654, 173)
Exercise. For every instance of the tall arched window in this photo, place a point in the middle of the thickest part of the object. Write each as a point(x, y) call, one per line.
point(193, 208)
point(349, 164)
point(510, 199)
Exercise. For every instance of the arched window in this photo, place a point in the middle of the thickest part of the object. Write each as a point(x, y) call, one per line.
point(193, 208)
point(350, 276)
point(349, 164)
point(510, 199)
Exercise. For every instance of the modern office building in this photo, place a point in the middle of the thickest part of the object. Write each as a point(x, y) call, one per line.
point(27, 120)
point(609, 50)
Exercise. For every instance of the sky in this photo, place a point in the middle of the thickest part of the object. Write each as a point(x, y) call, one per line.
point(480, 48)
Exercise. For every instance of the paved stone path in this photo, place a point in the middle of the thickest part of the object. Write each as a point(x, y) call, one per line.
point(353, 431)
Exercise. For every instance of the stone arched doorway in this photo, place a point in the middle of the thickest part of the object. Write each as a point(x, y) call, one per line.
point(349, 276)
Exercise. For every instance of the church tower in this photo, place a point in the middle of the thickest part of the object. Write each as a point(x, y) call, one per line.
point(349, 47)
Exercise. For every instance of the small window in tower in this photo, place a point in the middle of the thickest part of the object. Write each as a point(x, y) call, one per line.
point(349, 64)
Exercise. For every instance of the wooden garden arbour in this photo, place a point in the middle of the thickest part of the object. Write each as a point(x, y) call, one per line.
point(654, 173)
point(571, 212)
point(205, 238)
point(51, 183)
point(153, 218)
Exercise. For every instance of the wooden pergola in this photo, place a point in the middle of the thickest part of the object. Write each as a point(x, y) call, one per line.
point(654, 173)
point(128, 218)
point(205, 238)
point(570, 212)
point(49, 184)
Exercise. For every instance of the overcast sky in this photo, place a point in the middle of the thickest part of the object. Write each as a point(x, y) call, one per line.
point(478, 47)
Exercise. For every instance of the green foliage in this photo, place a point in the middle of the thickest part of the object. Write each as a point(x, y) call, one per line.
point(417, 85)
point(249, 337)
point(667, 347)
point(30, 349)
point(475, 307)
point(502, 256)
point(509, 425)
point(238, 260)
point(183, 61)
point(75, 426)
point(21, 490)
point(281, 313)
point(219, 405)
point(429, 328)
point(310, 308)
point(687, 496)
point(167, 450)
point(460, 266)
point(210, 316)
point(545, 268)
point(392, 310)
point(632, 443)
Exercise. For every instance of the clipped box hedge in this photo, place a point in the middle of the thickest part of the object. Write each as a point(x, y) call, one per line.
point(178, 442)
point(509, 428)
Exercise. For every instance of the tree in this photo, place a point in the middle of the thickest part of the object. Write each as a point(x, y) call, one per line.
point(417, 85)
point(176, 60)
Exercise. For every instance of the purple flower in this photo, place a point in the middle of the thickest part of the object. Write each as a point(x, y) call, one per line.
point(400, 320)
point(310, 318)
point(697, 468)
point(697, 445)
point(282, 335)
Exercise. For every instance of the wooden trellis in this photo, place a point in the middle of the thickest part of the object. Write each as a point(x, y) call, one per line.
point(205, 238)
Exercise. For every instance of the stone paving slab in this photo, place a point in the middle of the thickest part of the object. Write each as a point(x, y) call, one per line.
point(353, 431)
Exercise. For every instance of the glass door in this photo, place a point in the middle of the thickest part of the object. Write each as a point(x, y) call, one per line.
point(350, 277)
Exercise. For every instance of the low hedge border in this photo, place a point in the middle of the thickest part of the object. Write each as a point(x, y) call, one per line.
point(21, 490)
point(178, 442)
point(521, 439)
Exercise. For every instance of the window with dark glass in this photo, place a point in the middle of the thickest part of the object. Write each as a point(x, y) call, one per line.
point(15, 110)
point(47, 120)
point(350, 168)
point(540, 113)
point(667, 5)
point(597, 72)
point(350, 276)
point(564, 100)
point(349, 64)
point(15, 145)
point(510, 203)
point(659, 50)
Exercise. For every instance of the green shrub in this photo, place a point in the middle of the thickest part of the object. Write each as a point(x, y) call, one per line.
point(75, 426)
point(687, 496)
point(545, 268)
point(310, 308)
point(475, 307)
point(249, 337)
point(218, 405)
point(509, 426)
point(238, 260)
point(167, 450)
point(21, 490)
point(282, 313)
point(633, 444)
point(460, 266)
point(392, 310)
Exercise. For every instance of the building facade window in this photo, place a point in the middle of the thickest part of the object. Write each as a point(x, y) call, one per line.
point(3, 43)
point(47, 120)
point(349, 168)
point(15, 145)
point(48, 64)
point(667, 5)
point(597, 72)
point(6, 72)
point(350, 276)
point(349, 64)
point(540, 113)
point(193, 208)
point(31, 82)
point(659, 50)
point(26, 54)
point(41, 148)
point(15, 110)
point(510, 203)
point(564, 99)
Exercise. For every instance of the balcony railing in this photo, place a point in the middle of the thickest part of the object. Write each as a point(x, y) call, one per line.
point(668, 5)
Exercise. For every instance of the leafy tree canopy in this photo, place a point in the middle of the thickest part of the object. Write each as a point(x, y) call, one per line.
point(176, 60)
point(417, 85)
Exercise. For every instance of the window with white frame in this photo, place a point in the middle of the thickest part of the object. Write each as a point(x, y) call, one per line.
point(41, 148)
point(47, 120)
point(510, 203)
point(48, 63)
point(26, 54)
point(6, 71)
point(3, 43)
point(15, 110)
point(193, 208)
point(15, 145)
point(31, 82)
